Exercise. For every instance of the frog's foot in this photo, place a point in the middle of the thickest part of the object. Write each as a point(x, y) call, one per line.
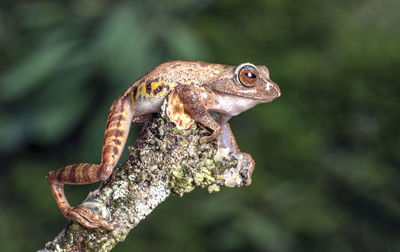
point(241, 174)
point(90, 215)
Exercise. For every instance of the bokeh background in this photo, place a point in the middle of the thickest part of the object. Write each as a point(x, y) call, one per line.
point(327, 151)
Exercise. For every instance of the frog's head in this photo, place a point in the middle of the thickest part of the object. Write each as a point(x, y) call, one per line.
point(242, 87)
point(247, 81)
point(255, 78)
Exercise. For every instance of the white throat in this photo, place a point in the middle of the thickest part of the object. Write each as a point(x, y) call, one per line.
point(233, 105)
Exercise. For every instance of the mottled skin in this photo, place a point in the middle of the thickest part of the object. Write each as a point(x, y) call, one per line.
point(199, 86)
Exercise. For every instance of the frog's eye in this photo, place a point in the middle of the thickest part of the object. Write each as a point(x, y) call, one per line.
point(247, 75)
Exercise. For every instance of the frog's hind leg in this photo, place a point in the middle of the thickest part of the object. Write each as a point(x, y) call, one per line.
point(83, 173)
point(116, 133)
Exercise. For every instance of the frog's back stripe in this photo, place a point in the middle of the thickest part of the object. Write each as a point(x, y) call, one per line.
point(151, 88)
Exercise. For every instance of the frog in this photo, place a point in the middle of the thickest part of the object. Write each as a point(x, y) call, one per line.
point(200, 88)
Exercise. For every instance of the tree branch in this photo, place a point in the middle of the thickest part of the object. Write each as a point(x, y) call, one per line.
point(164, 160)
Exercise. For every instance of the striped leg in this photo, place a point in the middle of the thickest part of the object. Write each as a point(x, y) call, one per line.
point(116, 133)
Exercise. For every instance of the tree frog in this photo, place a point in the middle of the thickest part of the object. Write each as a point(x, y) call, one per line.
point(199, 86)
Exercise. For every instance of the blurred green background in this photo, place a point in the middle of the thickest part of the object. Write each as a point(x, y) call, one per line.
point(327, 151)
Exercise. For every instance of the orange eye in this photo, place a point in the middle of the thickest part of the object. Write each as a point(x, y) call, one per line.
point(248, 75)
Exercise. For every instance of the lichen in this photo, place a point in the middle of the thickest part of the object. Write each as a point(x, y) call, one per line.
point(164, 160)
point(120, 189)
point(213, 188)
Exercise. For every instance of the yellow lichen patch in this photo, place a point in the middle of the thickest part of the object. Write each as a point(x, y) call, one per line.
point(176, 112)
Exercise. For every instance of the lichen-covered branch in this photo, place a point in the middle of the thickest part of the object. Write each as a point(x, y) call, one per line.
point(164, 160)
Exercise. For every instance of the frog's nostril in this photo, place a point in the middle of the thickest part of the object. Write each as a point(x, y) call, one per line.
point(272, 85)
point(268, 86)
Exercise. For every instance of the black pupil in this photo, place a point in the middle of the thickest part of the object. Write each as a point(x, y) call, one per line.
point(250, 75)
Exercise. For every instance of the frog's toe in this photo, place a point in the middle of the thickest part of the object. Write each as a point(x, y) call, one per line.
point(216, 133)
point(241, 174)
point(88, 218)
point(247, 168)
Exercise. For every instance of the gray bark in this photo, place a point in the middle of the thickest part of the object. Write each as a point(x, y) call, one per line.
point(164, 160)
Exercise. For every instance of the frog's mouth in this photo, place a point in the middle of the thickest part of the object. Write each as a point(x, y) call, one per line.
point(259, 95)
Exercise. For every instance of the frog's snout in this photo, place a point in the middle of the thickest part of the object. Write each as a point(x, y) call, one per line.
point(272, 86)
point(277, 89)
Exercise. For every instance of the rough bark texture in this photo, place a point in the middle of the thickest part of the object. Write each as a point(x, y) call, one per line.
point(164, 160)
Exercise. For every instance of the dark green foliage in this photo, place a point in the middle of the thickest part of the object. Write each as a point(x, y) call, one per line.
point(327, 151)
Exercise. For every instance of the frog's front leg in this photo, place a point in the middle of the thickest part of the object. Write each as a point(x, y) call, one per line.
point(241, 174)
point(193, 105)
point(116, 133)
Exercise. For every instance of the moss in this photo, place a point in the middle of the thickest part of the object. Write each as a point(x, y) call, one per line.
point(163, 160)
point(97, 241)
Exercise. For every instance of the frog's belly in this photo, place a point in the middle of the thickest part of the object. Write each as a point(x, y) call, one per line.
point(145, 106)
